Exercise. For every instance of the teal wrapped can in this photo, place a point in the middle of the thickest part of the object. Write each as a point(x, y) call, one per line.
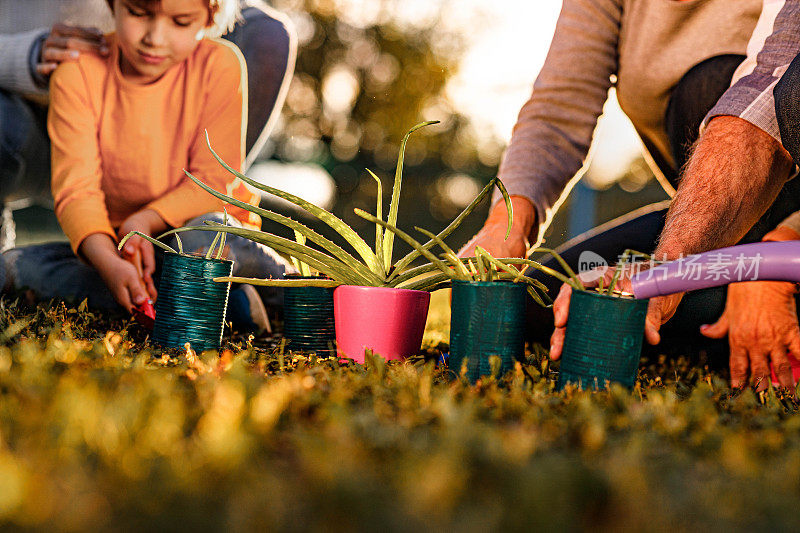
point(308, 320)
point(191, 305)
point(603, 341)
point(487, 319)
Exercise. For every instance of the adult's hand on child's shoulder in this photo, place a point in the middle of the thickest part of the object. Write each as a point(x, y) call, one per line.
point(65, 43)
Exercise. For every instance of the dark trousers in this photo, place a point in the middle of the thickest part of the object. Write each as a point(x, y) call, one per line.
point(25, 147)
point(693, 97)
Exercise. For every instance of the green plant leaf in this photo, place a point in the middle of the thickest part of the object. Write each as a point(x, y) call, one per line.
point(369, 257)
point(576, 282)
point(280, 282)
point(309, 233)
point(224, 235)
point(302, 268)
point(411, 256)
point(378, 227)
point(213, 244)
point(461, 270)
point(547, 270)
point(410, 240)
point(146, 237)
point(425, 284)
point(388, 241)
point(509, 207)
point(412, 273)
point(318, 260)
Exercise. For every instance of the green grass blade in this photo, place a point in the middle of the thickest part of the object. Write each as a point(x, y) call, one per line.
point(448, 252)
point(378, 227)
point(179, 243)
point(369, 257)
point(411, 241)
point(146, 237)
point(309, 233)
point(388, 240)
point(411, 256)
point(509, 207)
point(280, 282)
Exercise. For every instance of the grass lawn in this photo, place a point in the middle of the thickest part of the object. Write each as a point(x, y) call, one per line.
point(99, 430)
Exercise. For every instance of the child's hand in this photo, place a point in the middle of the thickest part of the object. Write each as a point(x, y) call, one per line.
point(118, 274)
point(138, 251)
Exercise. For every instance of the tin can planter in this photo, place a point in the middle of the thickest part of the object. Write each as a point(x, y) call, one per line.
point(388, 321)
point(191, 305)
point(487, 319)
point(309, 324)
point(603, 341)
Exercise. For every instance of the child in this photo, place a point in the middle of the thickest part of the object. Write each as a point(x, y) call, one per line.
point(123, 128)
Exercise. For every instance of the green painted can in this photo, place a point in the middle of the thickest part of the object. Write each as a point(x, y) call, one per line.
point(603, 341)
point(191, 305)
point(487, 318)
point(308, 321)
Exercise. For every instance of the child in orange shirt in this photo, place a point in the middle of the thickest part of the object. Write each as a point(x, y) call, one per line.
point(123, 128)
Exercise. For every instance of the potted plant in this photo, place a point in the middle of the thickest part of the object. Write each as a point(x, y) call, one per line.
point(379, 304)
point(488, 304)
point(604, 335)
point(308, 319)
point(191, 306)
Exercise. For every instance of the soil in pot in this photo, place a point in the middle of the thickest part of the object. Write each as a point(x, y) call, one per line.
point(388, 321)
point(309, 324)
point(487, 319)
point(191, 305)
point(603, 341)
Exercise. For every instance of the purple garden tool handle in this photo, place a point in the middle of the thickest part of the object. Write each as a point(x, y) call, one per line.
point(764, 261)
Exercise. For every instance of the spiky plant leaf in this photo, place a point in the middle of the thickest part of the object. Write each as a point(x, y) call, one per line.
point(411, 256)
point(146, 237)
point(309, 233)
point(369, 257)
point(388, 241)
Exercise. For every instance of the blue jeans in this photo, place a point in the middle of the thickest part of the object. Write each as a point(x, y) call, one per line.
point(53, 271)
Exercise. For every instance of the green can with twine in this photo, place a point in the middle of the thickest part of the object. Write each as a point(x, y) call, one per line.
point(487, 319)
point(603, 341)
point(191, 305)
point(308, 321)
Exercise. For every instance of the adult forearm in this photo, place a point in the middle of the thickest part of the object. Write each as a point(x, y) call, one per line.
point(733, 175)
point(15, 62)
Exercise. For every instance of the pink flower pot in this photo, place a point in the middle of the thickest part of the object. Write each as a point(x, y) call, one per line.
point(388, 321)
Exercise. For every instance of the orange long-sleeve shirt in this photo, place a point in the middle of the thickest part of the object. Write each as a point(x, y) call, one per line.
point(119, 147)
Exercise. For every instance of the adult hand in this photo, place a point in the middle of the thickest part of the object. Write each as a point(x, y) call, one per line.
point(65, 43)
point(659, 310)
point(138, 251)
point(492, 236)
point(760, 320)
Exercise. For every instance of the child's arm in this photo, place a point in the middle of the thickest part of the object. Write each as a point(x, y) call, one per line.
point(120, 276)
point(76, 164)
point(139, 251)
point(224, 116)
point(76, 174)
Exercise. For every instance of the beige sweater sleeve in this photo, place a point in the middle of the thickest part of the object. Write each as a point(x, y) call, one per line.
point(554, 129)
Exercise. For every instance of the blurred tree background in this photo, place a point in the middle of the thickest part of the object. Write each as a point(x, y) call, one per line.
point(367, 71)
